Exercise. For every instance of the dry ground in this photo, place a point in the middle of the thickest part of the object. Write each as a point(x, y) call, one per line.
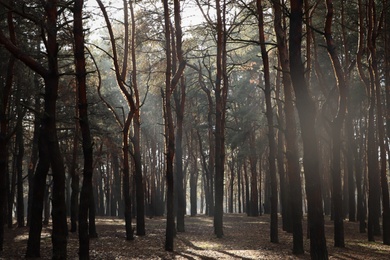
point(245, 238)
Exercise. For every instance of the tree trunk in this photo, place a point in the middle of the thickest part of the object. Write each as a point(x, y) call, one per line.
point(126, 181)
point(337, 125)
point(307, 115)
point(254, 196)
point(376, 86)
point(292, 154)
point(86, 195)
point(75, 179)
point(220, 104)
point(5, 93)
point(34, 156)
point(271, 133)
point(169, 133)
point(139, 187)
point(19, 145)
point(193, 176)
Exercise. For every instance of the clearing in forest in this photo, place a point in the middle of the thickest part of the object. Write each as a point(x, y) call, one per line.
point(244, 238)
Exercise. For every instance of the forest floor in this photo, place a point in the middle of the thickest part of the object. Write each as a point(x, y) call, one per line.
point(244, 238)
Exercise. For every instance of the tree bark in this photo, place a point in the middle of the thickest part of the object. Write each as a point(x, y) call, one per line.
point(292, 153)
point(221, 87)
point(86, 196)
point(307, 115)
point(180, 99)
point(4, 139)
point(337, 125)
point(271, 133)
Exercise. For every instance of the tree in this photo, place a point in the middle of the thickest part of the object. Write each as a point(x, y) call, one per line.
point(293, 167)
point(337, 126)
point(180, 98)
point(271, 134)
point(170, 85)
point(221, 90)
point(86, 195)
point(307, 112)
point(49, 152)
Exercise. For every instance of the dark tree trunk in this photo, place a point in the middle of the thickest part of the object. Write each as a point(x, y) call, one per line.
point(254, 196)
point(39, 187)
point(239, 190)
point(126, 181)
point(34, 156)
point(19, 145)
point(5, 93)
point(247, 207)
point(337, 125)
point(193, 176)
point(139, 186)
point(11, 188)
point(281, 151)
point(271, 133)
point(307, 115)
point(231, 184)
point(169, 133)
point(180, 98)
point(376, 86)
point(86, 194)
point(221, 87)
point(75, 179)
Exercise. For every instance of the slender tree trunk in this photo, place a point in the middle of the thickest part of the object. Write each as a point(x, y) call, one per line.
point(210, 171)
point(271, 133)
point(281, 151)
point(126, 181)
point(193, 176)
point(307, 114)
point(34, 157)
point(19, 145)
point(254, 195)
point(86, 195)
point(75, 178)
point(220, 104)
point(139, 187)
point(337, 125)
point(169, 133)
